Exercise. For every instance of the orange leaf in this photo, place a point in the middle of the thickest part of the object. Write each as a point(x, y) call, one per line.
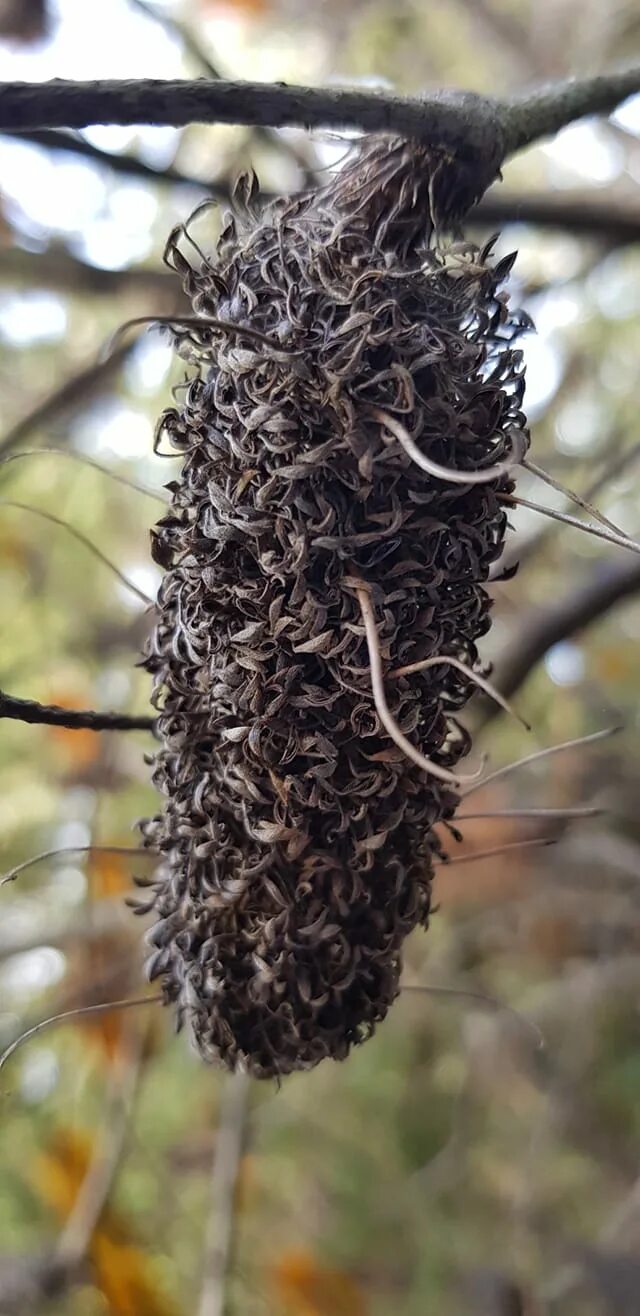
point(311, 1289)
point(109, 874)
point(81, 748)
point(121, 1271)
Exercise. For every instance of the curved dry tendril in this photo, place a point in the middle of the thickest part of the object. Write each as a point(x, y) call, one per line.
point(467, 671)
point(105, 1006)
point(13, 873)
point(492, 1002)
point(380, 700)
point(620, 540)
point(573, 497)
point(82, 539)
point(400, 432)
point(540, 754)
point(196, 322)
point(86, 461)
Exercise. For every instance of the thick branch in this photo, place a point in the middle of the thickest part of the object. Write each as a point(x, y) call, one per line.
point(615, 222)
point(27, 710)
point(449, 119)
point(536, 634)
point(474, 127)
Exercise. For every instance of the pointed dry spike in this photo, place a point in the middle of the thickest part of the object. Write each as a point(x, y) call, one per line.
point(493, 1003)
point(85, 461)
point(582, 811)
point(540, 754)
point(195, 322)
point(620, 540)
point(569, 493)
point(480, 681)
point(380, 700)
point(13, 873)
point(534, 842)
point(127, 1004)
point(82, 539)
point(399, 431)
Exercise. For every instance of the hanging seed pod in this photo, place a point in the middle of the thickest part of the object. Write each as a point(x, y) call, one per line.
point(308, 554)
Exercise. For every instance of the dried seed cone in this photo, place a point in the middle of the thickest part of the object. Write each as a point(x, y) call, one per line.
point(296, 839)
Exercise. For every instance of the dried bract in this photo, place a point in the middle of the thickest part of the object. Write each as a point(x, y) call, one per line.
point(296, 839)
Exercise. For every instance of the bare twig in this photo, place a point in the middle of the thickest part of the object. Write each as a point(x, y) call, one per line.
point(75, 719)
point(229, 1146)
point(64, 1016)
point(598, 532)
point(88, 544)
point(532, 843)
point(13, 873)
point(540, 754)
point(70, 455)
point(75, 1240)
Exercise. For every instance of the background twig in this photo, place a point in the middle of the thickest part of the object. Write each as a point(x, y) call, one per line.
point(230, 1138)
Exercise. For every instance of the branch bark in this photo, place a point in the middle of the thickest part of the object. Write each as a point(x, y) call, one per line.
point(458, 120)
point(28, 710)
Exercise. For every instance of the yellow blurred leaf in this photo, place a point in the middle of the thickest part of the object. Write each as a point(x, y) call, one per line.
point(308, 1288)
point(121, 1271)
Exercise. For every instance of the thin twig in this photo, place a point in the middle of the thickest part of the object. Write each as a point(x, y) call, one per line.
point(65, 1015)
point(576, 498)
point(540, 754)
point(230, 1138)
point(13, 873)
point(579, 811)
point(74, 719)
point(481, 998)
point(622, 541)
point(86, 542)
point(96, 1188)
point(532, 843)
point(83, 460)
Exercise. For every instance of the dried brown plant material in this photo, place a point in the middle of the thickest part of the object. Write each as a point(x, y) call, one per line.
point(297, 839)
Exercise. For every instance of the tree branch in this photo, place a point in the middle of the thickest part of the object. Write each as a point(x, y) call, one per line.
point(86, 383)
point(474, 127)
point(547, 110)
point(129, 165)
point(28, 710)
point(617, 223)
point(608, 585)
point(58, 268)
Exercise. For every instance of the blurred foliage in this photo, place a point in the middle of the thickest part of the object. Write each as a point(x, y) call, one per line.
point(449, 1165)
